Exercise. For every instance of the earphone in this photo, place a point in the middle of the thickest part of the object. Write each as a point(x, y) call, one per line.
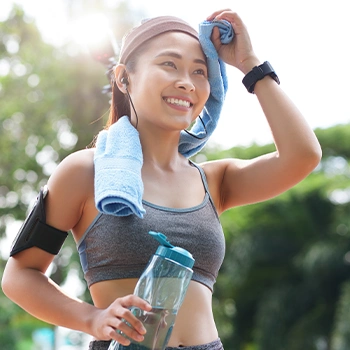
point(125, 81)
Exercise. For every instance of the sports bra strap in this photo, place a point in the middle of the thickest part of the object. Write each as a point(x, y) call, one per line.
point(204, 178)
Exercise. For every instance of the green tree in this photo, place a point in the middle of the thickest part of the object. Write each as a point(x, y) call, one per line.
point(51, 105)
point(284, 282)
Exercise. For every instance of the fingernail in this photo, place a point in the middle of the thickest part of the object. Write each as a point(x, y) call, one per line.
point(140, 337)
point(127, 342)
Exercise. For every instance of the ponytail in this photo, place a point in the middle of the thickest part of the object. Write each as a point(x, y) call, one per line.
point(119, 105)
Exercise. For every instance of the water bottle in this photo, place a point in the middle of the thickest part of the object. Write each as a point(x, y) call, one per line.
point(163, 284)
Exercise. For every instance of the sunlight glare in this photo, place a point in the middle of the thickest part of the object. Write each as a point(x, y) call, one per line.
point(90, 31)
point(5, 9)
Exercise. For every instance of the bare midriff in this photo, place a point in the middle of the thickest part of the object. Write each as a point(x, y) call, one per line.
point(194, 323)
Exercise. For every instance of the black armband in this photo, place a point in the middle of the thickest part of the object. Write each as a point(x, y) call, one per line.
point(34, 232)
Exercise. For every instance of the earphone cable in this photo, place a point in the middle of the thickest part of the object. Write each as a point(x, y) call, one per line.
point(133, 107)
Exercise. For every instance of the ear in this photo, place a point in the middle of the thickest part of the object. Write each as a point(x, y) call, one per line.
point(119, 74)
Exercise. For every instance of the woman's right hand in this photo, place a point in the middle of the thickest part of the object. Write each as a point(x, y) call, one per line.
point(118, 317)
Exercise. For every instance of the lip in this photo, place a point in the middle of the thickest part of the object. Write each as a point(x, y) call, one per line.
point(178, 106)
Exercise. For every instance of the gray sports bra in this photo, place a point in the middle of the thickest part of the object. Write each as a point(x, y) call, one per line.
point(117, 247)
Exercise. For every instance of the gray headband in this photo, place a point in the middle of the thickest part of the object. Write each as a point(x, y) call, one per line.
point(151, 28)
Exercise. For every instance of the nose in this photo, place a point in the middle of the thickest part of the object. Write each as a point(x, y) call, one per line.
point(185, 84)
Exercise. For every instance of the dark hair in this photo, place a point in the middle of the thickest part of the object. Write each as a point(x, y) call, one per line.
point(120, 104)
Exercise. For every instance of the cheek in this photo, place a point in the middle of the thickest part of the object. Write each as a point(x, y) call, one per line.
point(204, 89)
point(203, 92)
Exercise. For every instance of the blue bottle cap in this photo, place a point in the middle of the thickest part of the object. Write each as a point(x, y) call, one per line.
point(167, 250)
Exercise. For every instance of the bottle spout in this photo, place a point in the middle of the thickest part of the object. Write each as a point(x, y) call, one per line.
point(167, 250)
point(161, 238)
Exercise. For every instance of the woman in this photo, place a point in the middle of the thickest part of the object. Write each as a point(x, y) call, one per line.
point(167, 81)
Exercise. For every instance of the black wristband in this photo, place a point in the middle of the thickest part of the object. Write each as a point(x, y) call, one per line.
point(258, 73)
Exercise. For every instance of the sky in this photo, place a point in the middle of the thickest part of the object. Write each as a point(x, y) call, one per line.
point(306, 41)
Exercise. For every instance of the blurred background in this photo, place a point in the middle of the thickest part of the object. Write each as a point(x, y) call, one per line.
point(285, 282)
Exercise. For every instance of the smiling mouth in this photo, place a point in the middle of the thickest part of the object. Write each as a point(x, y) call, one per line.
point(178, 102)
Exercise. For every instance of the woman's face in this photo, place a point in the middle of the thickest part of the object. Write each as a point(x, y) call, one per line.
point(169, 86)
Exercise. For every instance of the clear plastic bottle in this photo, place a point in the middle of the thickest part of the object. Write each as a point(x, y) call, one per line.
point(163, 284)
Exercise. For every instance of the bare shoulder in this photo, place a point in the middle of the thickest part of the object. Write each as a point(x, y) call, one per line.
point(82, 159)
point(76, 167)
point(70, 187)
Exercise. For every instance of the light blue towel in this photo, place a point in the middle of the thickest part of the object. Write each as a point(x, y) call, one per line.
point(118, 161)
point(118, 156)
point(189, 145)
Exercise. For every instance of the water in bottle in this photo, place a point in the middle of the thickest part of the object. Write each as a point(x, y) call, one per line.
point(163, 284)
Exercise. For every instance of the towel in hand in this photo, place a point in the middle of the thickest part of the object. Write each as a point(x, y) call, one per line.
point(118, 156)
point(189, 145)
point(118, 161)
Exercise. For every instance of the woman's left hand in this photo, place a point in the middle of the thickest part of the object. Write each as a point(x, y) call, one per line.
point(239, 53)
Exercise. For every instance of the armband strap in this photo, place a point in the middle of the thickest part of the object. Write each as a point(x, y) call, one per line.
point(35, 232)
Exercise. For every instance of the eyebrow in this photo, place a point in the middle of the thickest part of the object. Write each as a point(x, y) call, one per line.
point(176, 55)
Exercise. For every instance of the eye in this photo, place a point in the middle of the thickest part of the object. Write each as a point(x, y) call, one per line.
point(169, 64)
point(200, 72)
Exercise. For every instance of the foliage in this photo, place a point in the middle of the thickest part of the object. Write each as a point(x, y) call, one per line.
point(285, 280)
point(341, 334)
point(51, 105)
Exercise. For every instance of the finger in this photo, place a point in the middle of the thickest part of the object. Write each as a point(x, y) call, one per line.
point(229, 16)
point(120, 329)
point(135, 301)
point(129, 317)
point(125, 330)
point(120, 338)
point(123, 309)
point(126, 308)
point(216, 13)
point(215, 38)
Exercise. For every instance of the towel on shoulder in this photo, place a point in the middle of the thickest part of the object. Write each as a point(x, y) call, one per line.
point(118, 156)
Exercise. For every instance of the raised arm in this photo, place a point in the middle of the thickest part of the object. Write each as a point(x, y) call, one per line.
point(297, 149)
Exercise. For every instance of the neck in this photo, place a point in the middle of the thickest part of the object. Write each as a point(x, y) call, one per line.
point(160, 149)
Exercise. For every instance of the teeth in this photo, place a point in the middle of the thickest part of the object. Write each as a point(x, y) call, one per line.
point(176, 101)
